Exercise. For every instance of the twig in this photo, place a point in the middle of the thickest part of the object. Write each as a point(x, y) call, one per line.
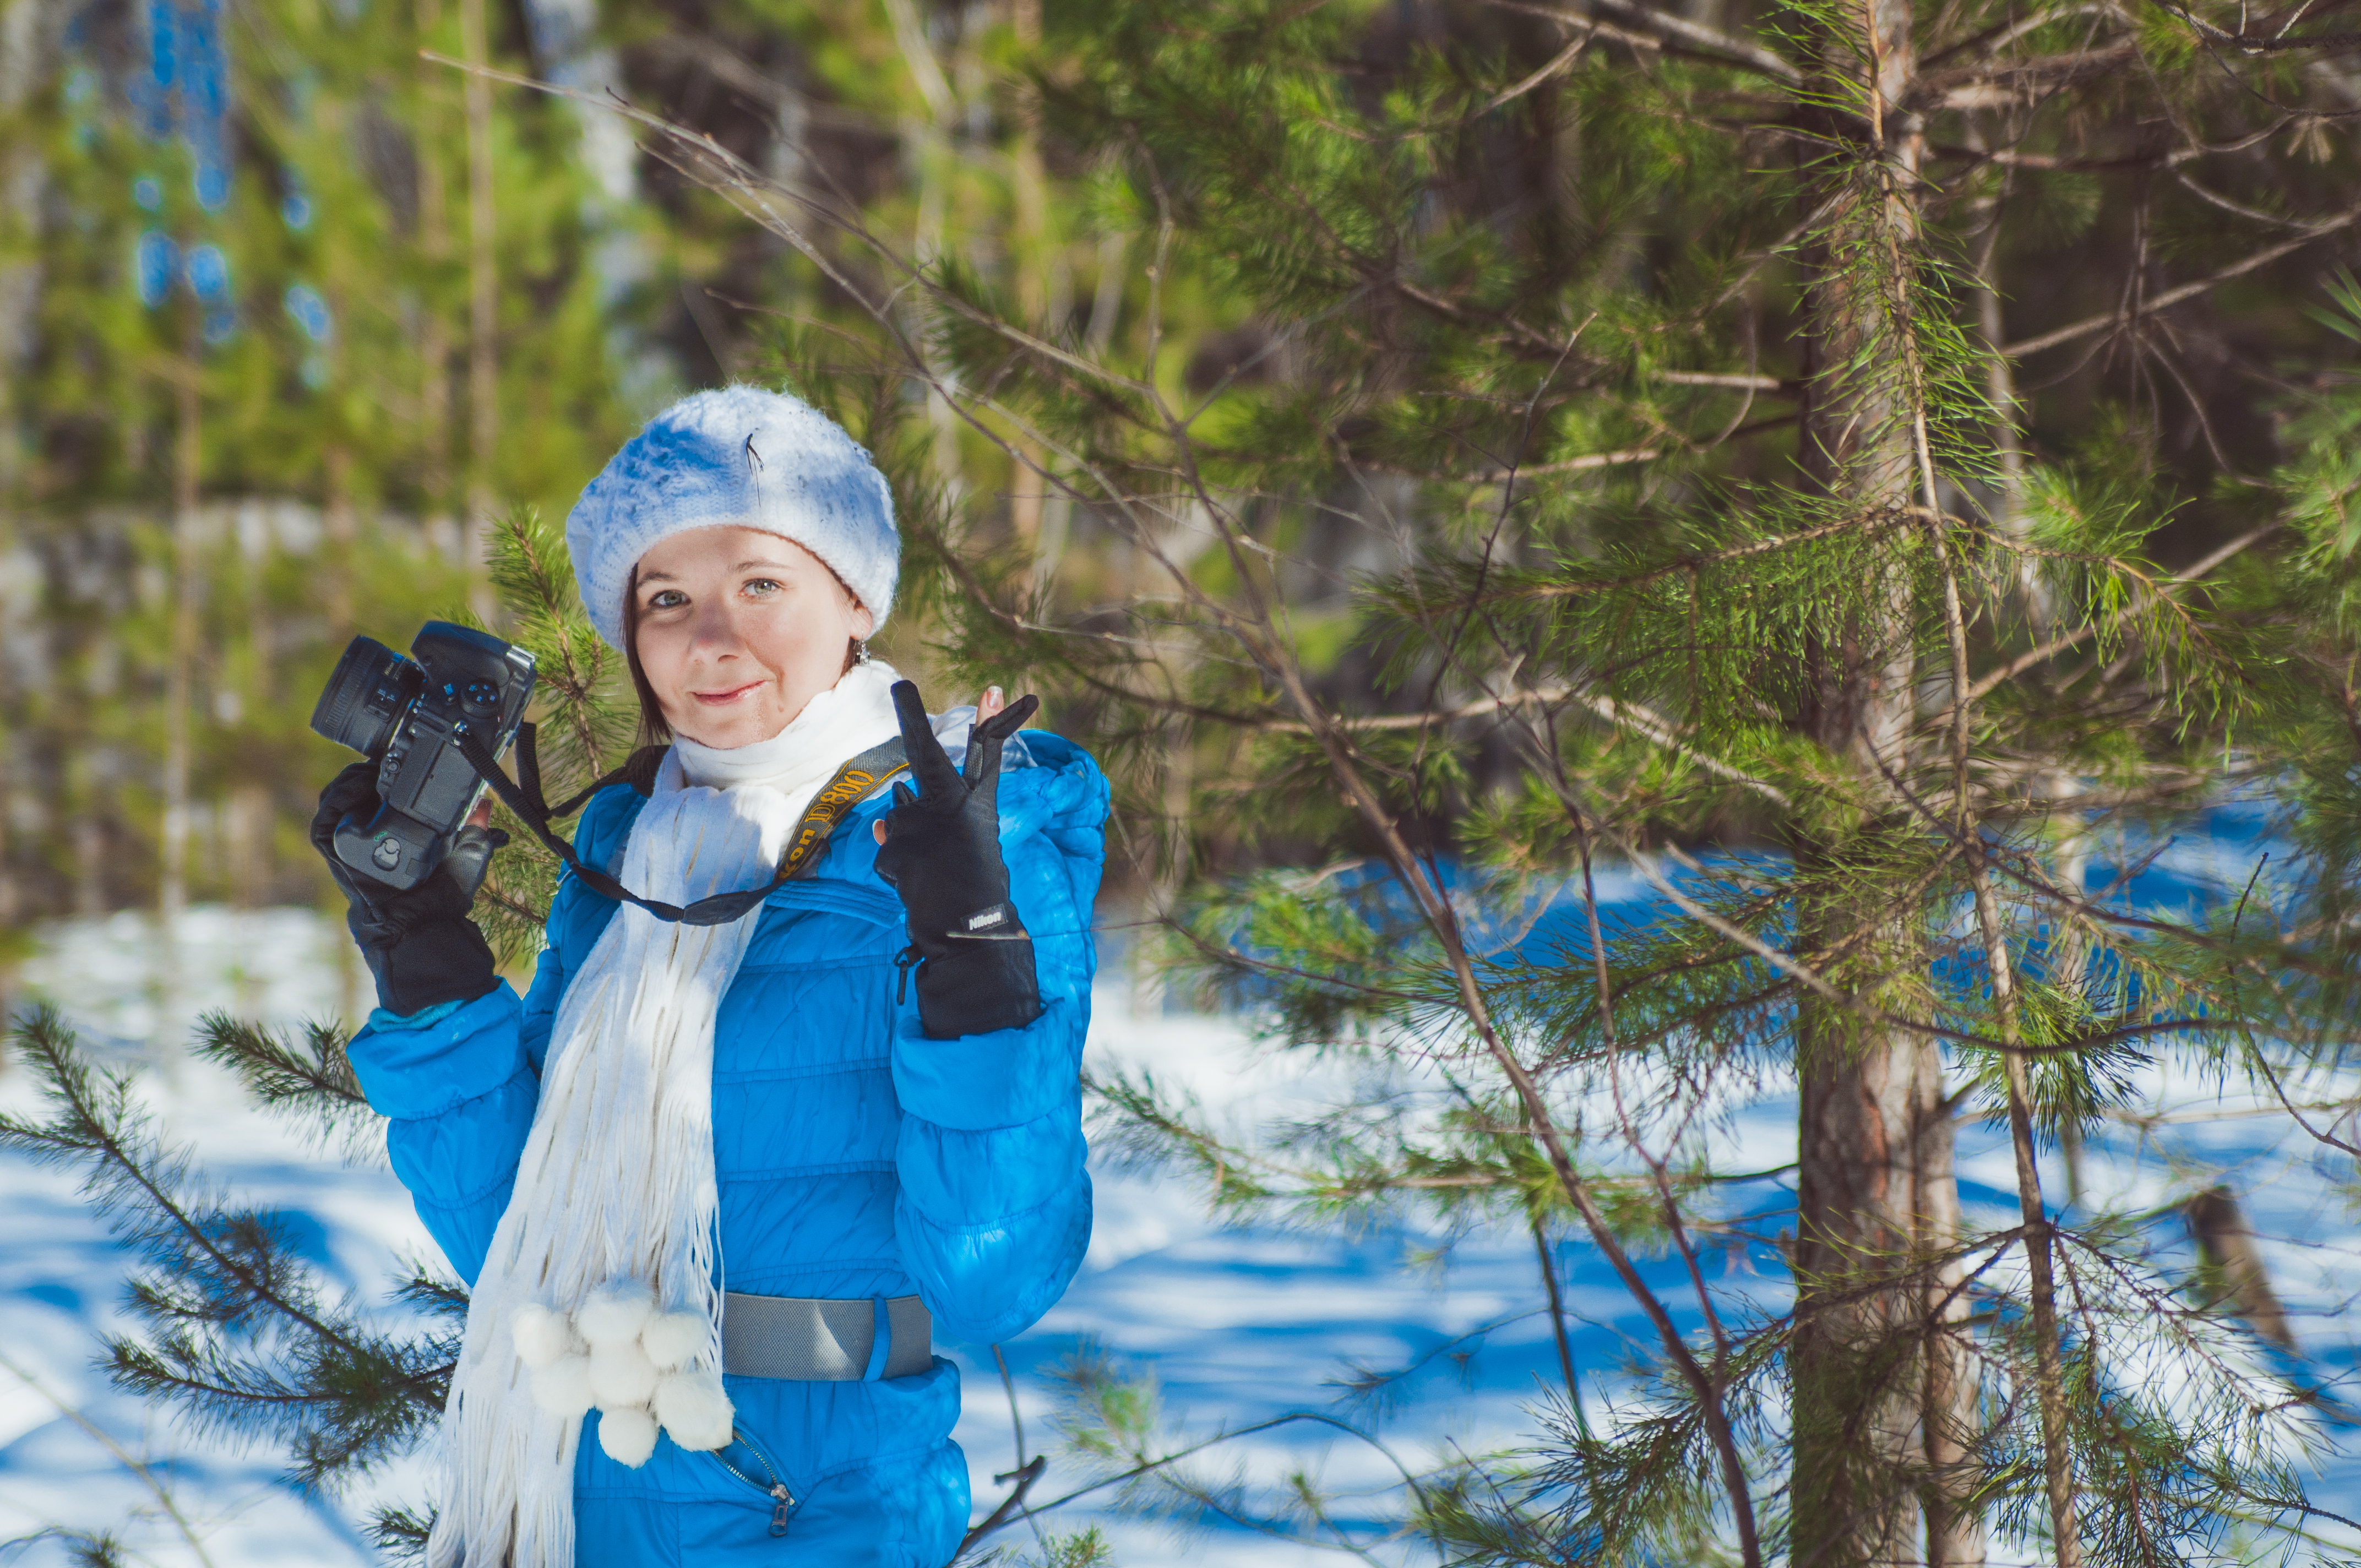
point(2056, 1457)
point(123, 1456)
point(1557, 1320)
point(2083, 633)
point(1733, 50)
point(2171, 297)
point(1023, 1478)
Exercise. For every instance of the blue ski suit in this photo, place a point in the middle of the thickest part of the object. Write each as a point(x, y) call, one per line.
point(856, 1157)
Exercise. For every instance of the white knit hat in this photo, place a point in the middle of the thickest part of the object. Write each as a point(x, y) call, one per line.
point(744, 457)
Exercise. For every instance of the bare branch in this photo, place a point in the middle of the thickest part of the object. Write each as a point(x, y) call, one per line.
point(2171, 297)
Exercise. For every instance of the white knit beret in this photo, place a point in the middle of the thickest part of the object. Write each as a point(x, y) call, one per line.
point(738, 456)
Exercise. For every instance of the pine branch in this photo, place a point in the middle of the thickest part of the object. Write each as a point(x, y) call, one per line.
point(1124, 1433)
point(575, 672)
point(2150, 596)
point(1711, 44)
point(313, 1081)
point(2249, 43)
point(402, 1533)
point(2057, 1462)
point(241, 1338)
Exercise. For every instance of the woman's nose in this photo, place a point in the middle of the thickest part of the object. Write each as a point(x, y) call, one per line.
point(714, 634)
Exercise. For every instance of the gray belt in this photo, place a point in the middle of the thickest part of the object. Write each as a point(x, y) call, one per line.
point(812, 1339)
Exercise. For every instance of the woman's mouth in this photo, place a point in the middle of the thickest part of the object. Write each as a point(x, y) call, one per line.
point(723, 699)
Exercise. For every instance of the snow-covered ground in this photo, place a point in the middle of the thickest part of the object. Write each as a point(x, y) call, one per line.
point(1235, 1324)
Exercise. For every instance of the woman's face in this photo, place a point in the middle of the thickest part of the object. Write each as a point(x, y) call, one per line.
point(737, 630)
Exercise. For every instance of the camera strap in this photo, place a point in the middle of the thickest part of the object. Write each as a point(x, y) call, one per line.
point(854, 783)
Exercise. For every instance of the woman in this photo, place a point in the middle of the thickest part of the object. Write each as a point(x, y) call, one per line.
point(715, 1187)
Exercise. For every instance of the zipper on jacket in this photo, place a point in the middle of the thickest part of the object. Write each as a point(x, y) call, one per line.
point(782, 1502)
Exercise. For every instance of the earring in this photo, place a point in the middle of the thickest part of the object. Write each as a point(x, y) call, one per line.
point(860, 654)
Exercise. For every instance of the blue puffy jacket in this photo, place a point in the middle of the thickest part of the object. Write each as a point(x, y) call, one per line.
point(856, 1157)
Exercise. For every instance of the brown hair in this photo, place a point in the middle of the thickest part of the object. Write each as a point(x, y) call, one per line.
point(653, 730)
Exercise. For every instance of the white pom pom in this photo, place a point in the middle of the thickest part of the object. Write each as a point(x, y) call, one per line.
point(695, 1410)
point(671, 1338)
point(563, 1387)
point(615, 1313)
point(621, 1375)
point(540, 1335)
point(627, 1436)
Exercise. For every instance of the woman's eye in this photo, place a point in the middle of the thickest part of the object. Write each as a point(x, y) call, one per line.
point(667, 598)
point(760, 586)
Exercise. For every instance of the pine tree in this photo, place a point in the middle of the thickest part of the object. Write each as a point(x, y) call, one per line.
point(236, 1328)
point(1509, 296)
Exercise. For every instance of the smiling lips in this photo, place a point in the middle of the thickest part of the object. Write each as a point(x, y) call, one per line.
point(722, 698)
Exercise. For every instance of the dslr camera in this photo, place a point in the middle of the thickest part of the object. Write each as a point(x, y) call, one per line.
point(407, 716)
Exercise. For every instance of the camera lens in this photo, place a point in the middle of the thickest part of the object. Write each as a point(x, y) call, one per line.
point(371, 686)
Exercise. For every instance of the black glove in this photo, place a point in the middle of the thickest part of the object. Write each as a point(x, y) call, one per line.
point(942, 855)
point(419, 944)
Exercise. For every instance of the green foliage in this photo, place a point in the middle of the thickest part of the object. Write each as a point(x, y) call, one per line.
point(402, 1533)
point(308, 1081)
point(1530, 456)
point(1503, 452)
point(325, 435)
point(235, 1330)
point(584, 712)
point(1087, 1548)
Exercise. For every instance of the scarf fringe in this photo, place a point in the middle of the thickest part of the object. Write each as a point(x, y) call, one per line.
point(601, 1288)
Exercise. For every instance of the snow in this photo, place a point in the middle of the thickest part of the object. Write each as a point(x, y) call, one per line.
point(1235, 1324)
point(74, 1453)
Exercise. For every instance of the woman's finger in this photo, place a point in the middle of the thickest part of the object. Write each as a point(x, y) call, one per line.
point(991, 702)
point(1012, 718)
point(928, 765)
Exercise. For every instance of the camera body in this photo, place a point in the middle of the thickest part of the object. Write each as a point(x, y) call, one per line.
point(407, 715)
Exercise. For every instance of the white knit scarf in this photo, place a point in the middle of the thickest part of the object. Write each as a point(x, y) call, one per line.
point(601, 1286)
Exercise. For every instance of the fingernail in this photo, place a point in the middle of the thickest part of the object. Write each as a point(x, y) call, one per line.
point(993, 693)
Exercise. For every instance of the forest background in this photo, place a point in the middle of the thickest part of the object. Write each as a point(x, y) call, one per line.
point(1876, 473)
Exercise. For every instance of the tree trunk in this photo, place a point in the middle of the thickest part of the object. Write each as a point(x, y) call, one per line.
point(1031, 258)
point(434, 248)
point(1882, 1376)
point(927, 143)
point(341, 530)
point(1873, 1185)
point(88, 836)
point(246, 815)
point(483, 310)
point(188, 597)
point(2241, 1281)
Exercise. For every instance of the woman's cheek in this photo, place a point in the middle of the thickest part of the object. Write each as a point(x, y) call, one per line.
point(660, 656)
point(783, 638)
